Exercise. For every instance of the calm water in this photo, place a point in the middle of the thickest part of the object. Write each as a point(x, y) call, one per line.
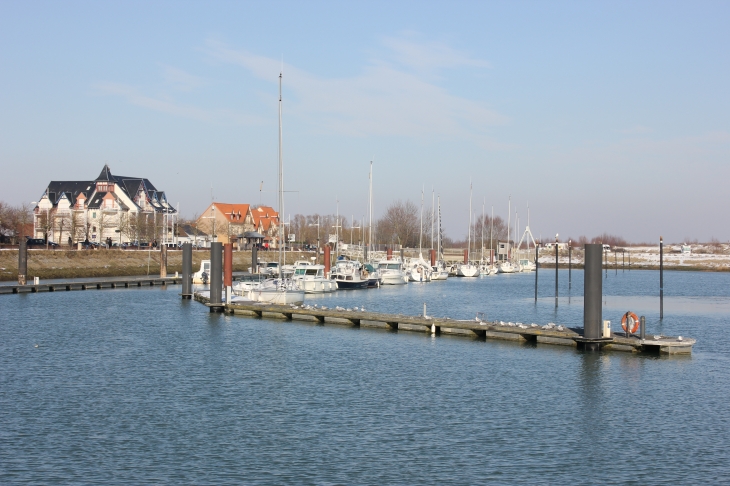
point(137, 386)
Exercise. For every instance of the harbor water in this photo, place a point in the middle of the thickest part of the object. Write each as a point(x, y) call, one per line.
point(137, 386)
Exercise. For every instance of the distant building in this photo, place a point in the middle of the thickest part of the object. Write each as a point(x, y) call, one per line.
point(229, 223)
point(124, 209)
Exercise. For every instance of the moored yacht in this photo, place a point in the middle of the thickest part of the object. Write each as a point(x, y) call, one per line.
point(391, 272)
point(349, 274)
point(312, 280)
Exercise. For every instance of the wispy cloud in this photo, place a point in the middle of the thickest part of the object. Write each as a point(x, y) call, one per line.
point(383, 99)
point(181, 80)
point(428, 56)
point(171, 107)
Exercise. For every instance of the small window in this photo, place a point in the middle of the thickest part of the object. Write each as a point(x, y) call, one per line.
point(93, 215)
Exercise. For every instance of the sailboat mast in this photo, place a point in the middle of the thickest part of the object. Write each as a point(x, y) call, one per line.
point(281, 185)
point(420, 235)
point(483, 204)
point(370, 211)
point(468, 244)
point(491, 233)
point(433, 223)
point(438, 240)
point(509, 223)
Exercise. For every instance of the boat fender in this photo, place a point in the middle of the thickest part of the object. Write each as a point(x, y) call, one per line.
point(630, 320)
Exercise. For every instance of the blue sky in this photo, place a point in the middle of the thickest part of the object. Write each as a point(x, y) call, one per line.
point(604, 116)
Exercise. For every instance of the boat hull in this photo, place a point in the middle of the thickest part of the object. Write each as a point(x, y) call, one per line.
point(393, 280)
point(280, 297)
point(352, 284)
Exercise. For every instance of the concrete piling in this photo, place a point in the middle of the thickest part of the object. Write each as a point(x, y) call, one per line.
point(592, 294)
point(327, 260)
point(228, 269)
point(187, 271)
point(255, 259)
point(570, 264)
point(402, 255)
point(163, 261)
point(22, 262)
point(661, 278)
point(642, 328)
point(556, 271)
point(216, 277)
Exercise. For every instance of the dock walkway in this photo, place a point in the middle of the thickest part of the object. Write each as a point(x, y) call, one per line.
point(88, 284)
point(547, 334)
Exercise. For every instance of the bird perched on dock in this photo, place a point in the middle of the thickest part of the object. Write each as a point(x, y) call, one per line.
point(560, 328)
point(339, 308)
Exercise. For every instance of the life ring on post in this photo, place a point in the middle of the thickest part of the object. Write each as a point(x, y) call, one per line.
point(630, 320)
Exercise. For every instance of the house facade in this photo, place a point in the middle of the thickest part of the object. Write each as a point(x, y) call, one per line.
point(125, 209)
point(229, 223)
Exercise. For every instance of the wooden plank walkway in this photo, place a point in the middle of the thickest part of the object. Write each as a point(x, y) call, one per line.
point(58, 286)
point(473, 328)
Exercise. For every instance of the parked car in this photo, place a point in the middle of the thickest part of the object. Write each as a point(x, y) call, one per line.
point(40, 243)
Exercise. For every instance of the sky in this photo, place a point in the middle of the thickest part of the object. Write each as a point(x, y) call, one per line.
point(601, 116)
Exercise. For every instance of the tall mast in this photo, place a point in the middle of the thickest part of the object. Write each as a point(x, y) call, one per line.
point(281, 187)
point(468, 243)
point(491, 233)
point(438, 240)
point(483, 204)
point(509, 223)
point(420, 235)
point(370, 210)
point(433, 223)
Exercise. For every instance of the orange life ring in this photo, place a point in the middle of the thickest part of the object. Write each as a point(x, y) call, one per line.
point(627, 317)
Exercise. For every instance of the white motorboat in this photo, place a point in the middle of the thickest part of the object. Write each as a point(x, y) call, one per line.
point(527, 265)
point(289, 269)
point(269, 268)
point(467, 270)
point(202, 276)
point(312, 280)
point(349, 274)
point(391, 272)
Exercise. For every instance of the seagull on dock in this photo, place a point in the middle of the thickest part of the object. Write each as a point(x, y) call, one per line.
point(560, 328)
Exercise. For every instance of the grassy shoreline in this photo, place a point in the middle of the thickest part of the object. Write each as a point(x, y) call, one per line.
point(55, 264)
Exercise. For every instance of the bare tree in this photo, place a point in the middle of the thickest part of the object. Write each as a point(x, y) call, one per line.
point(400, 224)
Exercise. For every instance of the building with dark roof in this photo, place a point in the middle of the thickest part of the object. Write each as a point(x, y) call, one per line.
point(118, 207)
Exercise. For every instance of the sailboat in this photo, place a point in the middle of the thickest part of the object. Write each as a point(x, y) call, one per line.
point(440, 271)
point(281, 290)
point(468, 269)
point(527, 264)
point(507, 266)
point(418, 270)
